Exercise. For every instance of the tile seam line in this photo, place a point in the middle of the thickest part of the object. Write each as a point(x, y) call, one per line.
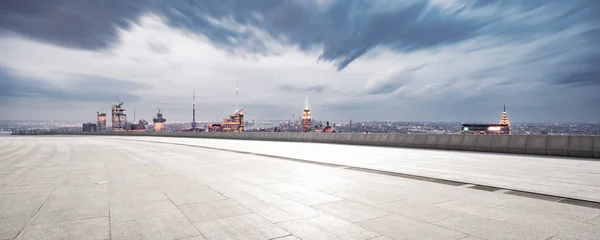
point(362, 169)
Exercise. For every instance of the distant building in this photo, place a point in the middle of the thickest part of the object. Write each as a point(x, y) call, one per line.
point(234, 123)
point(101, 121)
point(306, 119)
point(141, 126)
point(159, 122)
point(485, 129)
point(504, 119)
point(215, 127)
point(502, 128)
point(328, 129)
point(90, 127)
point(119, 118)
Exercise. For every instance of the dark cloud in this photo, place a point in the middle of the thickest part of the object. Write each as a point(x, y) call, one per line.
point(79, 24)
point(346, 29)
point(80, 88)
point(298, 89)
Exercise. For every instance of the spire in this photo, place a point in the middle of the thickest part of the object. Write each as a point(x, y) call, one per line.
point(194, 108)
point(504, 119)
point(306, 104)
point(237, 98)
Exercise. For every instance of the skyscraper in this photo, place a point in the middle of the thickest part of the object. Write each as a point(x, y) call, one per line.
point(119, 118)
point(101, 121)
point(234, 122)
point(306, 119)
point(159, 122)
point(504, 119)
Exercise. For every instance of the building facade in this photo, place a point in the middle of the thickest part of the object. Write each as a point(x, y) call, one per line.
point(234, 123)
point(101, 122)
point(159, 122)
point(306, 118)
point(485, 129)
point(119, 118)
point(89, 127)
point(501, 128)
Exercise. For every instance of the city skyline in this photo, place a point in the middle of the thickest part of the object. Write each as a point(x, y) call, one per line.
point(451, 61)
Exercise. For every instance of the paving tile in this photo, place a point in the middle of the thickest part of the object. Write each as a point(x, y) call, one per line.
point(595, 221)
point(157, 209)
point(128, 199)
point(351, 211)
point(19, 209)
point(182, 198)
point(470, 238)
point(326, 227)
point(282, 187)
point(79, 196)
point(381, 238)
point(283, 210)
point(402, 227)
point(170, 227)
point(86, 229)
point(541, 221)
point(310, 197)
point(10, 227)
point(560, 210)
point(372, 197)
point(492, 229)
point(60, 211)
point(130, 186)
point(248, 227)
point(213, 210)
point(181, 186)
point(243, 197)
point(421, 211)
point(199, 237)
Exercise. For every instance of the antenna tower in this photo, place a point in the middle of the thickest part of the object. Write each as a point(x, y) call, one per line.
point(237, 98)
point(194, 109)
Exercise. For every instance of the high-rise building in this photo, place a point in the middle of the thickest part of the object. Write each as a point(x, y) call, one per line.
point(502, 128)
point(159, 122)
point(119, 118)
point(234, 122)
point(101, 121)
point(504, 119)
point(306, 118)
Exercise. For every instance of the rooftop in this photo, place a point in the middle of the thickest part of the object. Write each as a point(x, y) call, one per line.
point(182, 188)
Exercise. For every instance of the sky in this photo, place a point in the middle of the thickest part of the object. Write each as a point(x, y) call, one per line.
point(399, 60)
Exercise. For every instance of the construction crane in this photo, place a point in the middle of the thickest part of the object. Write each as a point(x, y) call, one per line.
point(98, 112)
point(159, 110)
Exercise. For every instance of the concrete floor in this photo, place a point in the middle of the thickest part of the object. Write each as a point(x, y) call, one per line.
point(107, 188)
point(559, 176)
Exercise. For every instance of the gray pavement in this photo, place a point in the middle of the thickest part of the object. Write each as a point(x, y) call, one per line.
point(105, 188)
point(561, 176)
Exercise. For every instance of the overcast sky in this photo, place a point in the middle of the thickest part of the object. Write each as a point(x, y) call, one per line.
point(404, 60)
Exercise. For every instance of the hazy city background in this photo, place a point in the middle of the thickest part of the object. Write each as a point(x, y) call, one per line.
point(375, 127)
